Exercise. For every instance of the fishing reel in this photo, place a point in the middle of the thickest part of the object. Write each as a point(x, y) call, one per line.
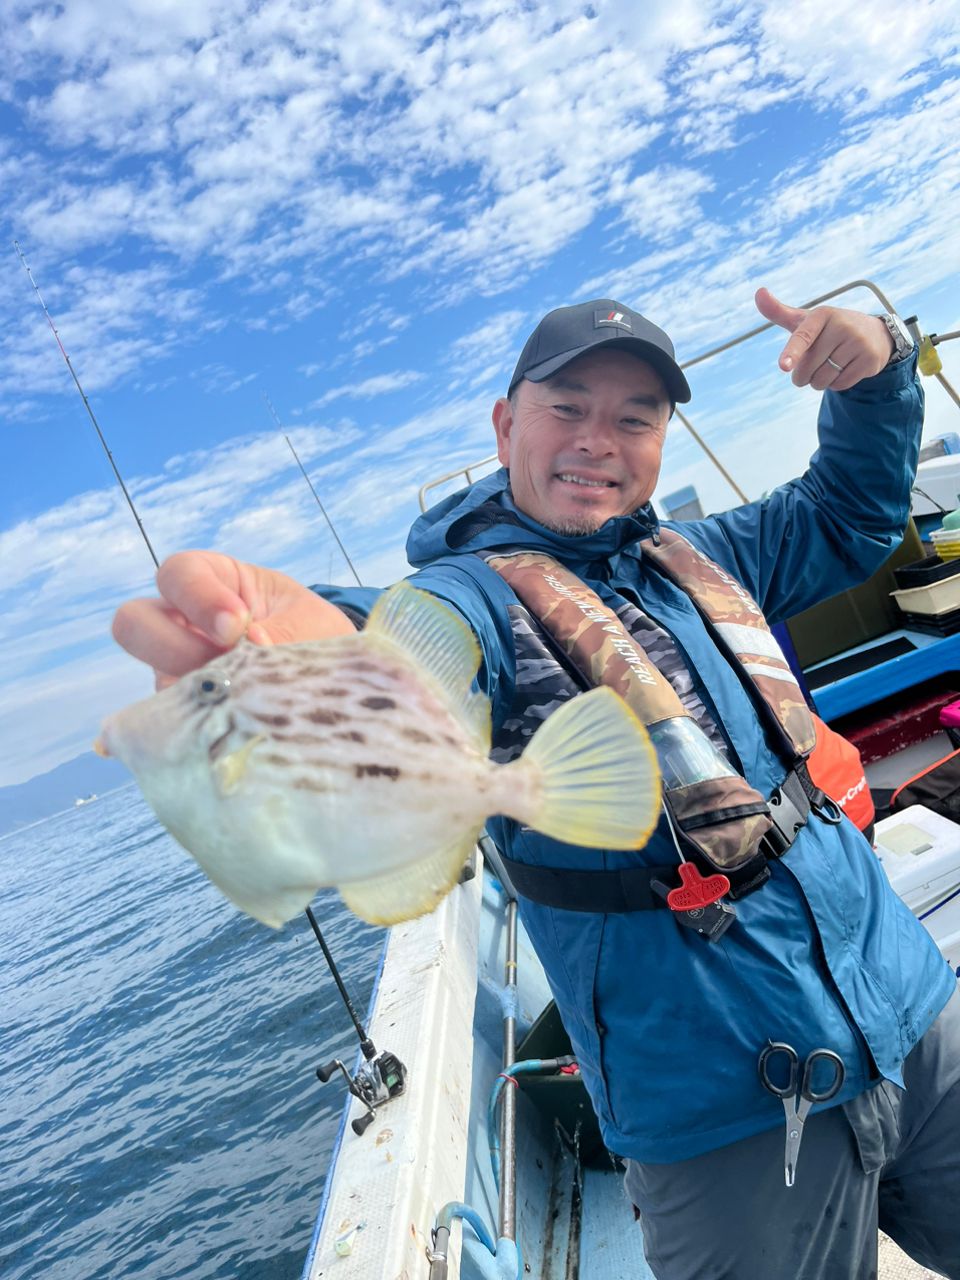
point(382, 1077)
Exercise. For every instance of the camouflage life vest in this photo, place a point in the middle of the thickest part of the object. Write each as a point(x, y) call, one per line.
point(726, 823)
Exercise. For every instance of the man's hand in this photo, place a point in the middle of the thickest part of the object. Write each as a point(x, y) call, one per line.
point(828, 346)
point(207, 602)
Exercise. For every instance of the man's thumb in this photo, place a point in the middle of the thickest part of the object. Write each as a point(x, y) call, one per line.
point(772, 308)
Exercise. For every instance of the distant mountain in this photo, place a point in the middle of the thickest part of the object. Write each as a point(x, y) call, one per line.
point(50, 792)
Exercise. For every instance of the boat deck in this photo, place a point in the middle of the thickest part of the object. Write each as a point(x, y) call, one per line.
point(895, 1265)
point(439, 1007)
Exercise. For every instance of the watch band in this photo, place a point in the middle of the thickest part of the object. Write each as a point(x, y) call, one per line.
point(902, 340)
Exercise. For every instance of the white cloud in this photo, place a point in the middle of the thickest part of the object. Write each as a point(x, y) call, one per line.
point(219, 379)
point(662, 204)
point(64, 708)
point(377, 385)
point(251, 117)
point(486, 354)
point(864, 55)
point(117, 321)
point(335, 172)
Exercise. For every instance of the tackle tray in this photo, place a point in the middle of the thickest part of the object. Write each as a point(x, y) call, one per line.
point(934, 624)
point(924, 573)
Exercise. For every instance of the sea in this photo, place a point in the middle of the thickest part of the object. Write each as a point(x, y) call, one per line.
point(160, 1115)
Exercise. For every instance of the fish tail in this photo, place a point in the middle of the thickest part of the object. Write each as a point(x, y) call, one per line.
point(592, 775)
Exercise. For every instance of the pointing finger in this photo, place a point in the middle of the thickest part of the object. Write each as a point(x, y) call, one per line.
point(804, 327)
point(794, 354)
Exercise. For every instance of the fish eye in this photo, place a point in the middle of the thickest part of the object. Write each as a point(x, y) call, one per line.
point(211, 687)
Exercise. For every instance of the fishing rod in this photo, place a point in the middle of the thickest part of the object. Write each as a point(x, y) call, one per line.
point(86, 405)
point(381, 1076)
point(366, 1044)
point(316, 497)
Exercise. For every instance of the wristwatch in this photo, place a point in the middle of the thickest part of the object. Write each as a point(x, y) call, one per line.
point(902, 340)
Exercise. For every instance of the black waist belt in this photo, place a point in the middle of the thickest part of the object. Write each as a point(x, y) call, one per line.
point(603, 891)
point(632, 888)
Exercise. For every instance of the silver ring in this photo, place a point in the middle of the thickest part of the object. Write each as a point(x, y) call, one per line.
point(833, 365)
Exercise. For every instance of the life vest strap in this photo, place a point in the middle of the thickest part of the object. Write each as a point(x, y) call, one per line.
point(632, 888)
point(790, 807)
point(604, 892)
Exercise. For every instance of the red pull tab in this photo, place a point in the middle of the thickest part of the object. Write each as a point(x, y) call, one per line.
point(696, 890)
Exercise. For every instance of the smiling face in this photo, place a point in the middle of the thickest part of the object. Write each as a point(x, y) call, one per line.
point(586, 444)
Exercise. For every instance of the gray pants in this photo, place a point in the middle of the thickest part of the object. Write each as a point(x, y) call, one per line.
point(889, 1158)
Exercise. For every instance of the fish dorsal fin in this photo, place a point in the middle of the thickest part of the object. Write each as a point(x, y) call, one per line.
point(439, 642)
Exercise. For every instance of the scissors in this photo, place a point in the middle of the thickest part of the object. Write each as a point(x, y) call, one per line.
point(798, 1094)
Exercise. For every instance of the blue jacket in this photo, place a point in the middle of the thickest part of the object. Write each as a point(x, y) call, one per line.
point(667, 1028)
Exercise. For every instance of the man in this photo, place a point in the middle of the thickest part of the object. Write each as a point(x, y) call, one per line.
point(809, 946)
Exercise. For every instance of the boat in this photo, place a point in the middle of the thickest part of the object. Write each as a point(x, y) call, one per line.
point(489, 1164)
point(468, 1148)
point(484, 1159)
point(459, 995)
point(82, 800)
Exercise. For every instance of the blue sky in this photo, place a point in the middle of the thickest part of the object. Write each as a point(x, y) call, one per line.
point(359, 211)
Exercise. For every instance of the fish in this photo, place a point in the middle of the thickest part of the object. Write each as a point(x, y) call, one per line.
point(362, 762)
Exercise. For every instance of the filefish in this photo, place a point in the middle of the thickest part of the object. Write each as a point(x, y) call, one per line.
point(362, 762)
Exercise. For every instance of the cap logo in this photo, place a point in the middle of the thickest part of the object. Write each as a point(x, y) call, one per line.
point(615, 319)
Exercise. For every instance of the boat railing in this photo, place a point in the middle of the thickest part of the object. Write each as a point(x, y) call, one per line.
point(470, 472)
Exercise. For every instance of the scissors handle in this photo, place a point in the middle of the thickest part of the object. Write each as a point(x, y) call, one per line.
point(838, 1073)
point(769, 1051)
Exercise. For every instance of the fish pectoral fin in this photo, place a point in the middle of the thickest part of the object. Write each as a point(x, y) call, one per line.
point(413, 890)
point(228, 770)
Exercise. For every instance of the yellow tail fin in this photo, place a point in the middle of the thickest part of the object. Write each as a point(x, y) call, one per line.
point(599, 781)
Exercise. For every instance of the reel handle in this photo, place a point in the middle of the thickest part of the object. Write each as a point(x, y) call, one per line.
point(362, 1123)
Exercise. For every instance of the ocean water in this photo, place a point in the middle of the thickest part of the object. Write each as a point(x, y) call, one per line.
point(159, 1112)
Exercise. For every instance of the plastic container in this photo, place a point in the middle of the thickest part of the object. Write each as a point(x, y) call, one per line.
point(933, 624)
point(946, 543)
point(938, 597)
point(922, 573)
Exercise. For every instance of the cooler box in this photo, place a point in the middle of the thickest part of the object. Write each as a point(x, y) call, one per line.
point(939, 478)
point(920, 852)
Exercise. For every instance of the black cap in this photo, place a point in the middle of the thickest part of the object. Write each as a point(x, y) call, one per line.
point(568, 332)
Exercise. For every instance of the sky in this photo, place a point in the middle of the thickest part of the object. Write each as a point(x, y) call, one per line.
point(345, 217)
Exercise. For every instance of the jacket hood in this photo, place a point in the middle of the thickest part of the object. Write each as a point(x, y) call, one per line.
point(484, 516)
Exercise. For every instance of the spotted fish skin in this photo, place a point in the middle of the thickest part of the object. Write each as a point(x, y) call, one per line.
point(360, 761)
point(339, 740)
